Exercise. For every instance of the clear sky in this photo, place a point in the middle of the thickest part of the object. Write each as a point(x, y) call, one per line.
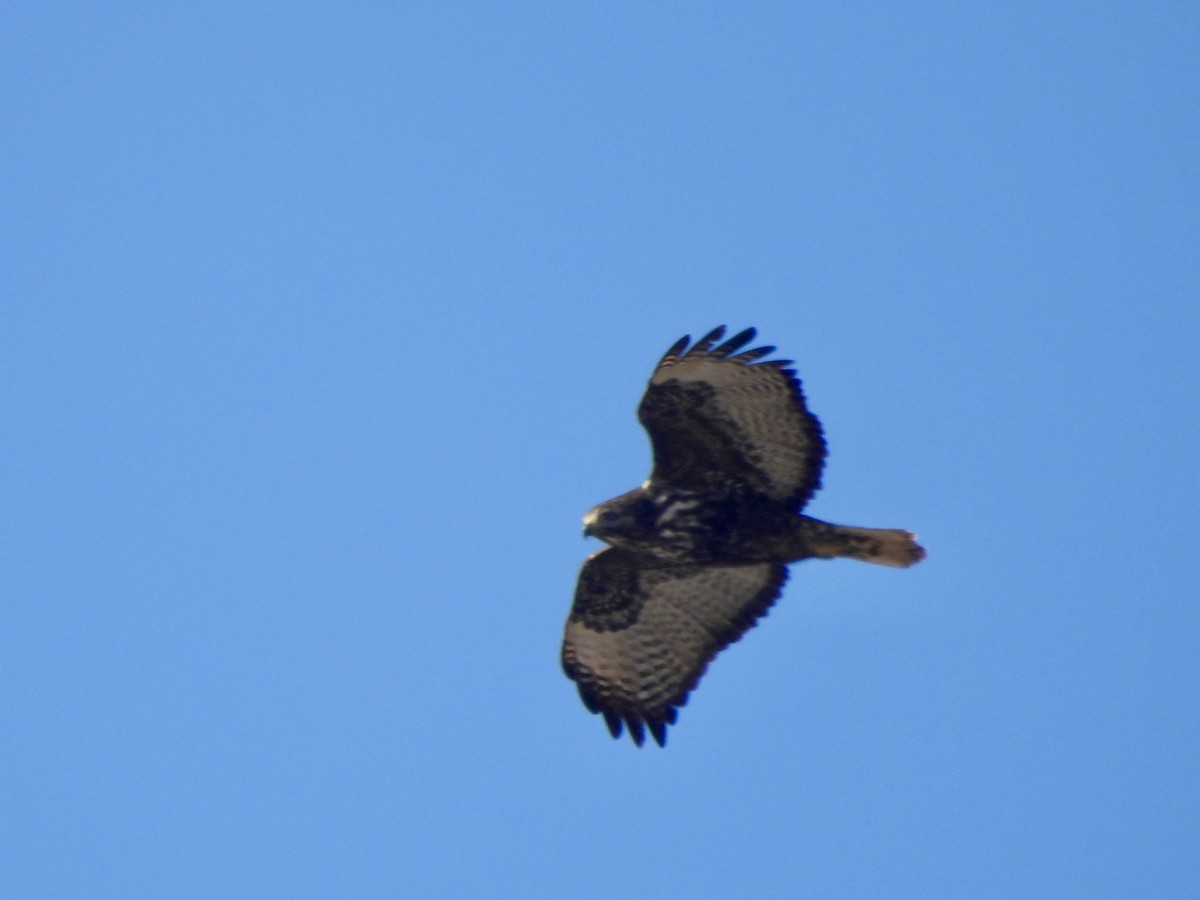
point(323, 324)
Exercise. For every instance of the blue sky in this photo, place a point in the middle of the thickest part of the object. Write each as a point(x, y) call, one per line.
point(324, 324)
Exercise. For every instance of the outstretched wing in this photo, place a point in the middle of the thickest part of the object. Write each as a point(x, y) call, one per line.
point(642, 632)
point(722, 421)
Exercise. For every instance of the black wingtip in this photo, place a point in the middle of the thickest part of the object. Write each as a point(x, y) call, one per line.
point(738, 340)
point(614, 724)
point(706, 343)
point(677, 347)
point(749, 356)
point(708, 346)
point(636, 731)
point(588, 700)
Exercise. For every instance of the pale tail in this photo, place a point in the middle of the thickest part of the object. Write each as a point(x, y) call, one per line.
point(883, 546)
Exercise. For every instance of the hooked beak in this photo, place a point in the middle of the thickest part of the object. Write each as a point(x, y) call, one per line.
point(588, 521)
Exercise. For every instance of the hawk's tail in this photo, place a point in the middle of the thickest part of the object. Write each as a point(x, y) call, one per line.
point(883, 546)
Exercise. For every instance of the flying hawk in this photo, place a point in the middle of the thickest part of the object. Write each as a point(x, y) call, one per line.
point(700, 551)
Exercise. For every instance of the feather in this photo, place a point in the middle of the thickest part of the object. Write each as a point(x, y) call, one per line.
point(706, 343)
point(673, 354)
point(738, 340)
point(751, 355)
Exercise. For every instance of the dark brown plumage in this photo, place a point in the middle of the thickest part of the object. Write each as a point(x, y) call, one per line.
point(700, 551)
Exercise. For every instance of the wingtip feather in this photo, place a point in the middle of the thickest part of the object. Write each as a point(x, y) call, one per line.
point(614, 724)
point(708, 346)
point(677, 348)
point(635, 730)
point(738, 340)
point(707, 342)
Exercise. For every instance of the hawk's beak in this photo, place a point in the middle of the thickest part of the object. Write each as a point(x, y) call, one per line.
point(588, 521)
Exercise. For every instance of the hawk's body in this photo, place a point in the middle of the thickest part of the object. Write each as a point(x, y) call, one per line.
point(700, 550)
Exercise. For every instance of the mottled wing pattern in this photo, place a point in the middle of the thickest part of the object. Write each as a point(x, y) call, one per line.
point(723, 421)
point(642, 631)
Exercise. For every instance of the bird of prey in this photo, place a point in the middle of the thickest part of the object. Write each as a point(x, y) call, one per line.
point(700, 551)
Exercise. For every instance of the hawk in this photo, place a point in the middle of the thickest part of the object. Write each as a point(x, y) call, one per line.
point(700, 551)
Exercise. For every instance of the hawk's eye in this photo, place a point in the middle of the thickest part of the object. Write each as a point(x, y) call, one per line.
point(609, 516)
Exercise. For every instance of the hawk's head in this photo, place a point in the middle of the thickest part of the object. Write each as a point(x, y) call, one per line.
point(629, 519)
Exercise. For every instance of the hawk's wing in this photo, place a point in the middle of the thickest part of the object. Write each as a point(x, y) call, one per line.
point(723, 422)
point(642, 632)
